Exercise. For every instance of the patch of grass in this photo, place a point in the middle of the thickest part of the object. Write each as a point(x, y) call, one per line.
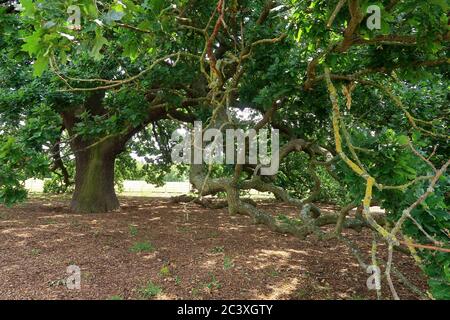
point(142, 247)
point(35, 252)
point(289, 221)
point(151, 290)
point(165, 271)
point(227, 263)
point(208, 287)
point(218, 249)
point(133, 230)
point(177, 280)
point(116, 297)
point(213, 283)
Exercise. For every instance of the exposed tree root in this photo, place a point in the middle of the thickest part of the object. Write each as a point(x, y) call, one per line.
point(306, 225)
point(207, 202)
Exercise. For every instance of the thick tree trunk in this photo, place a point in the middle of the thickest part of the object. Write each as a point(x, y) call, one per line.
point(95, 158)
point(94, 180)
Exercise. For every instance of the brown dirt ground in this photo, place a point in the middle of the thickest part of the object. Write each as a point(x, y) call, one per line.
point(208, 255)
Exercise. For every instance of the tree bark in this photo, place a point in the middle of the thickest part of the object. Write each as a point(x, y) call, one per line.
point(58, 163)
point(94, 179)
point(95, 158)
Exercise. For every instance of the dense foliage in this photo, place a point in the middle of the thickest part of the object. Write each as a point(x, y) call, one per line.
point(131, 72)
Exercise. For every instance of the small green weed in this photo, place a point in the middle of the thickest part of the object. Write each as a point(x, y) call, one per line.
point(142, 247)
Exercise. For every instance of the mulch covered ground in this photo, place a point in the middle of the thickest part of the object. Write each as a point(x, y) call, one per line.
point(155, 249)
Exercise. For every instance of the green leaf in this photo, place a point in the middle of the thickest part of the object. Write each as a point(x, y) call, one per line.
point(403, 140)
point(100, 41)
point(40, 65)
point(28, 7)
point(32, 43)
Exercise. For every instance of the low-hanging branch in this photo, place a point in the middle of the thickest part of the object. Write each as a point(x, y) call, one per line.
point(389, 237)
